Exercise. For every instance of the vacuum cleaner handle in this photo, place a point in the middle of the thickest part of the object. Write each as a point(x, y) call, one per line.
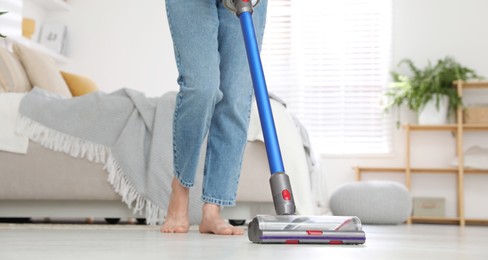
point(280, 182)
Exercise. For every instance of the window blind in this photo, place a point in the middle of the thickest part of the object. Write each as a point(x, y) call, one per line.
point(329, 60)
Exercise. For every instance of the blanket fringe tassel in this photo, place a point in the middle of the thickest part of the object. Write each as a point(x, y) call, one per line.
point(80, 148)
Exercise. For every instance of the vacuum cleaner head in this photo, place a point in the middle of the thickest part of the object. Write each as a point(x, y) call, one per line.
point(294, 229)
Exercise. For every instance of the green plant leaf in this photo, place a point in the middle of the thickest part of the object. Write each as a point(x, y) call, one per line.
point(429, 82)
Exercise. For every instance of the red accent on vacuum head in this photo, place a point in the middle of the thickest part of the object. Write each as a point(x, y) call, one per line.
point(292, 241)
point(314, 232)
point(286, 194)
point(335, 242)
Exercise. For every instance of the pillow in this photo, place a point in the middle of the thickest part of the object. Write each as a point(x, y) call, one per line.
point(41, 70)
point(78, 85)
point(12, 75)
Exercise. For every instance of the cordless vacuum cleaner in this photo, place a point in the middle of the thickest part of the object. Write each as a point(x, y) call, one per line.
point(286, 227)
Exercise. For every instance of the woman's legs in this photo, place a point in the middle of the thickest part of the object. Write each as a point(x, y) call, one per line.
point(204, 76)
point(194, 29)
point(227, 135)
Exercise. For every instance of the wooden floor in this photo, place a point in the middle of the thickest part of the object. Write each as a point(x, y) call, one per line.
point(96, 241)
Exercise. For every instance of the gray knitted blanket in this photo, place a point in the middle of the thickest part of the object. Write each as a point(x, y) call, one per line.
point(126, 131)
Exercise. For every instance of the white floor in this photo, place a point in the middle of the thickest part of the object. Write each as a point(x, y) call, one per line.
point(83, 241)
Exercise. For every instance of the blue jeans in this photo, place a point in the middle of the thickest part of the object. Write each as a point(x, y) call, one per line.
point(215, 94)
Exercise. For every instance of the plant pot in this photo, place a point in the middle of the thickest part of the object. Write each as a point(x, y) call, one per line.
point(434, 114)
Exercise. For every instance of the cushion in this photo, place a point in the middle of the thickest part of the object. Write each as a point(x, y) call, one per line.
point(78, 85)
point(42, 70)
point(12, 75)
point(374, 202)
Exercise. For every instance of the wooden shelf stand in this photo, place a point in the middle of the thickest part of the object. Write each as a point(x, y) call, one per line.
point(458, 129)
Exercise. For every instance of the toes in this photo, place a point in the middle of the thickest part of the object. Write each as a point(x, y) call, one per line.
point(230, 231)
point(222, 230)
point(237, 231)
point(175, 229)
point(225, 231)
point(166, 230)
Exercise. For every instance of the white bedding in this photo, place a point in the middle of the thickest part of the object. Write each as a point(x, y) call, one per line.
point(10, 141)
point(292, 151)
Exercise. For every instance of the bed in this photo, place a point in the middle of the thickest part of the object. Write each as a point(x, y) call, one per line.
point(40, 182)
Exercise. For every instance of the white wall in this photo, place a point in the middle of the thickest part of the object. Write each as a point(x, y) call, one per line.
point(122, 44)
point(11, 22)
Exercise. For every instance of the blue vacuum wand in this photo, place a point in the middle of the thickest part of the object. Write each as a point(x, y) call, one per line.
point(280, 182)
point(286, 227)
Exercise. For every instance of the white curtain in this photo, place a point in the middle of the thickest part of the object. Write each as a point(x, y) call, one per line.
point(329, 60)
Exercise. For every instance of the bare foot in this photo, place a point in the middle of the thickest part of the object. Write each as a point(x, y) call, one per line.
point(176, 220)
point(213, 223)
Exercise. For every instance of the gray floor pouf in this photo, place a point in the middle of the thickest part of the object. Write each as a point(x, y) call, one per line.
point(374, 202)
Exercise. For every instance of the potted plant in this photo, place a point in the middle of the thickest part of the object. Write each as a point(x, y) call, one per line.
point(429, 91)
